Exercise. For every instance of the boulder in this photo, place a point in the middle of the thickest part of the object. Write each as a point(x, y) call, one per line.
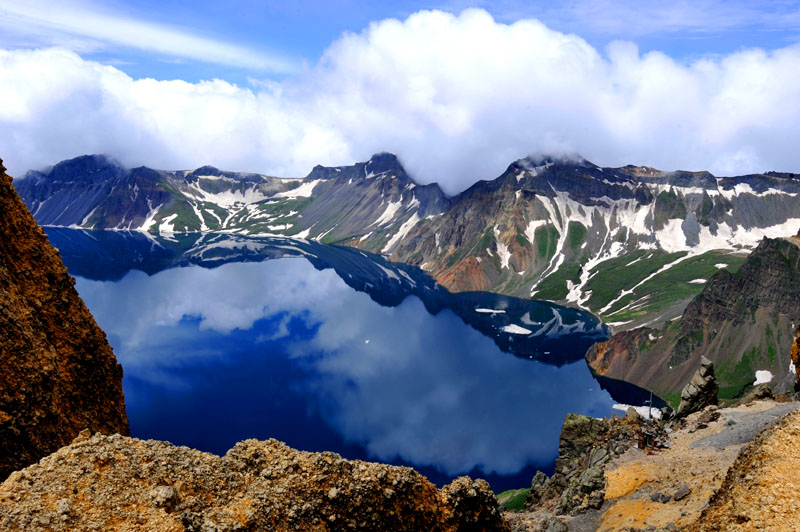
point(761, 391)
point(540, 490)
point(632, 415)
point(701, 391)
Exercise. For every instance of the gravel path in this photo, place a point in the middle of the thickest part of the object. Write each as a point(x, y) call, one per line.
point(744, 426)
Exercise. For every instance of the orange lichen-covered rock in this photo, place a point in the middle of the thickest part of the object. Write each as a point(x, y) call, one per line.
point(58, 374)
point(760, 489)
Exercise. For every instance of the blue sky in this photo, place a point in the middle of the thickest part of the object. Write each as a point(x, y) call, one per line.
point(277, 87)
point(288, 35)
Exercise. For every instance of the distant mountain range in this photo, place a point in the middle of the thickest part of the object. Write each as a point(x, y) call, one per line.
point(632, 244)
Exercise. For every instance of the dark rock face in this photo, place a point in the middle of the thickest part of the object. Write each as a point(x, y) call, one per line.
point(58, 374)
point(119, 483)
point(701, 391)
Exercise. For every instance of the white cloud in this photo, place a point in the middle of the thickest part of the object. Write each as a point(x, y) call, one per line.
point(456, 97)
point(83, 26)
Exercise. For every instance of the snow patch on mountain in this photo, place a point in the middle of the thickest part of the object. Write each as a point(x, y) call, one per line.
point(166, 225)
point(402, 232)
point(530, 231)
point(303, 191)
point(388, 215)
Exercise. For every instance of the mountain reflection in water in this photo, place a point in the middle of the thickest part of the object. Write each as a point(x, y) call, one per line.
point(401, 372)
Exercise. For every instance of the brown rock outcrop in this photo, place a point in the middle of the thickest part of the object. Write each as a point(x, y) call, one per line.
point(619, 352)
point(760, 489)
point(58, 373)
point(119, 483)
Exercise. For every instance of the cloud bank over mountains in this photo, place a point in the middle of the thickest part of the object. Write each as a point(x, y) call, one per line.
point(457, 97)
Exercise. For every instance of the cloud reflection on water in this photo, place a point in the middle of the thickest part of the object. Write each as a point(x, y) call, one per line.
point(403, 383)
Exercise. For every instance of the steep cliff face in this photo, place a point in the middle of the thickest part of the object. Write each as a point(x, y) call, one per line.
point(743, 322)
point(58, 372)
point(118, 483)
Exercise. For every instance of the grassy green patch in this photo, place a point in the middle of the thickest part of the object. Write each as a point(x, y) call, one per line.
point(673, 399)
point(620, 273)
point(576, 235)
point(486, 240)
point(554, 286)
point(704, 210)
point(734, 376)
point(546, 238)
point(514, 499)
point(674, 284)
point(186, 219)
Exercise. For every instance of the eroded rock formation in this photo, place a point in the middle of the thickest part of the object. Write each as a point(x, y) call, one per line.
point(119, 483)
point(58, 373)
point(701, 391)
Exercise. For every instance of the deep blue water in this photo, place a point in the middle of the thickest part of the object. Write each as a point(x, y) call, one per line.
point(333, 349)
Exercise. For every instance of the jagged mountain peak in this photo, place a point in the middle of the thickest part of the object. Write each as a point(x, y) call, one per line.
point(207, 170)
point(86, 168)
point(384, 157)
point(381, 164)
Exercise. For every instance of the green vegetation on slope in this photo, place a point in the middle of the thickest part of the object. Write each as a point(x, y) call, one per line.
point(545, 239)
point(673, 285)
point(513, 499)
point(621, 273)
point(576, 235)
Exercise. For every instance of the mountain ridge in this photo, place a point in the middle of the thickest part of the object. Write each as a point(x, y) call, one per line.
point(548, 227)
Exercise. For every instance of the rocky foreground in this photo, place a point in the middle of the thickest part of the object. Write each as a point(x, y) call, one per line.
point(760, 489)
point(716, 472)
point(118, 483)
point(58, 373)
